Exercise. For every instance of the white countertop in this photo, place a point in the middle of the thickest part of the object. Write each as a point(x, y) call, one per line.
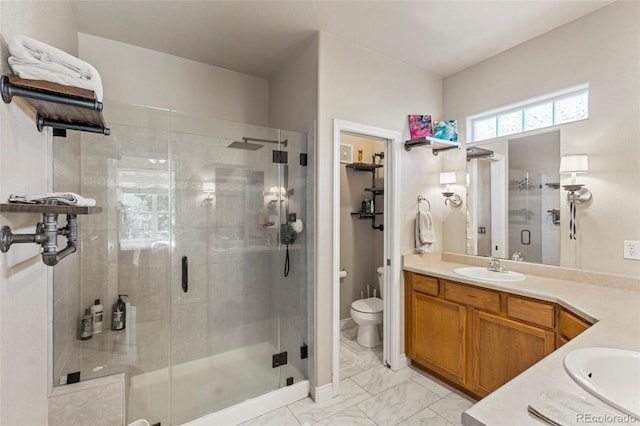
point(614, 311)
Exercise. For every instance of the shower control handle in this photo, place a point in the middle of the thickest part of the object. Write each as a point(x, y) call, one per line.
point(185, 274)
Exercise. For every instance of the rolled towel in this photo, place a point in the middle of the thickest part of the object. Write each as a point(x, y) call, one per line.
point(31, 59)
point(67, 198)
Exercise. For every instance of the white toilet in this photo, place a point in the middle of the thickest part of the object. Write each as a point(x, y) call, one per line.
point(367, 313)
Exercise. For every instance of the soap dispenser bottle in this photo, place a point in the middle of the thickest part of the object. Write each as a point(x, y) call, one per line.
point(119, 314)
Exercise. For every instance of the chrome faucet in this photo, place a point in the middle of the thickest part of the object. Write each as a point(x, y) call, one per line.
point(494, 265)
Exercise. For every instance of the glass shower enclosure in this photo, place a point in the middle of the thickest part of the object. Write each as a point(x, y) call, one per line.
point(204, 231)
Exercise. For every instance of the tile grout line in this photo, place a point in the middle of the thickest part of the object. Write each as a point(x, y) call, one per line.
point(294, 415)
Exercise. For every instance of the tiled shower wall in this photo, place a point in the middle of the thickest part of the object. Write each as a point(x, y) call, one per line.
point(237, 294)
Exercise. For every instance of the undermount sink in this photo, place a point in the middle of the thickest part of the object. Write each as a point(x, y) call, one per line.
point(612, 375)
point(484, 274)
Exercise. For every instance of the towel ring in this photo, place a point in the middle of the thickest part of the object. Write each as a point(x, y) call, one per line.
point(420, 199)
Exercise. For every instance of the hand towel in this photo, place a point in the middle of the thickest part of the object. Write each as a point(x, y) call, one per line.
point(34, 60)
point(559, 408)
point(424, 233)
point(67, 198)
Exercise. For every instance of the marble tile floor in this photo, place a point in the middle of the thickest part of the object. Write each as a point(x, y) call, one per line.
point(372, 394)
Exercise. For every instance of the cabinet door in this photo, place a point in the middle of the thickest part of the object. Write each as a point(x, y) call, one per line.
point(439, 336)
point(503, 348)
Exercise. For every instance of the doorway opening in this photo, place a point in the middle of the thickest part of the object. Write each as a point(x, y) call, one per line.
point(366, 250)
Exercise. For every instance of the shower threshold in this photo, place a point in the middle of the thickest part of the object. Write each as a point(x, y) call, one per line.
point(200, 385)
point(254, 407)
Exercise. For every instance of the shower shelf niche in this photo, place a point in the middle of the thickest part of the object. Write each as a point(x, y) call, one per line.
point(56, 105)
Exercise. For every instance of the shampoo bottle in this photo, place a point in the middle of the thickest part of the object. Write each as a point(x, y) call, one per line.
point(119, 314)
point(86, 325)
point(97, 311)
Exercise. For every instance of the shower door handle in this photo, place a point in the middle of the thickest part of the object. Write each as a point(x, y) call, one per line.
point(185, 274)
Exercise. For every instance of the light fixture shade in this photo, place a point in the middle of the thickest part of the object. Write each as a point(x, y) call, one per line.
point(574, 164)
point(208, 187)
point(447, 178)
point(278, 190)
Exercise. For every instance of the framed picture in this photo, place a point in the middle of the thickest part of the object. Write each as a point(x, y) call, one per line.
point(446, 129)
point(419, 126)
point(346, 153)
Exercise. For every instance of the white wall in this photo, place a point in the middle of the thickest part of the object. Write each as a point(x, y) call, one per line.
point(360, 85)
point(293, 90)
point(134, 75)
point(24, 167)
point(602, 49)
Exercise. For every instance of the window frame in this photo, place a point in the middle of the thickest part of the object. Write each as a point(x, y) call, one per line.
point(552, 98)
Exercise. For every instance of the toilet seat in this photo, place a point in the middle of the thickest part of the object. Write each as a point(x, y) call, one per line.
point(371, 305)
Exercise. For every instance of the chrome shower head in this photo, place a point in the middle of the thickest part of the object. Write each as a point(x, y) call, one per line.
point(245, 145)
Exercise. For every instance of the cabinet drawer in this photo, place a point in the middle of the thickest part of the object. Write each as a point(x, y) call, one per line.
point(571, 326)
point(478, 298)
point(528, 310)
point(425, 285)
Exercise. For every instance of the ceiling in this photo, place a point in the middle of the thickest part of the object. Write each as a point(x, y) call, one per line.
point(254, 37)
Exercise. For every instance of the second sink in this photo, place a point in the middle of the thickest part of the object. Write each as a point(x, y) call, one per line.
point(611, 374)
point(484, 274)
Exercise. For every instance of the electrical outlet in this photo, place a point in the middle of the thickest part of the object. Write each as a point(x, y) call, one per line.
point(632, 249)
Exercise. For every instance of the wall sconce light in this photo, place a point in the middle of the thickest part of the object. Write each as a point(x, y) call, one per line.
point(574, 164)
point(208, 188)
point(453, 199)
point(278, 191)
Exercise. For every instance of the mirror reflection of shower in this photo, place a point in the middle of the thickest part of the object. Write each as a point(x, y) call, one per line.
point(513, 202)
point(524, 183)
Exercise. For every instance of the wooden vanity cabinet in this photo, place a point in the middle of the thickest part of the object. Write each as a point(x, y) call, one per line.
point(478, 339)
point(502, 348)
point(569, 326)
point(442, 345)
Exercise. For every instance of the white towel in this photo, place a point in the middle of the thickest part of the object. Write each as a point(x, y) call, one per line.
point(424, 233)
point(31, 59)
point(67, 198)
point(560, 408)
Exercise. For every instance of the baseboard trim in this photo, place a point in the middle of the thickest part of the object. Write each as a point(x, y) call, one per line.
point(321, 394)
point(404, 361)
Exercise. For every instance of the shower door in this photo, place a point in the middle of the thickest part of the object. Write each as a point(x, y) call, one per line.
point(230, 300)
point(192, 231)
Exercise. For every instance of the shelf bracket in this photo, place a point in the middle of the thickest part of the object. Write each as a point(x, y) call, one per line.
point(42, 122)
point(435, 152)
point(46, 235)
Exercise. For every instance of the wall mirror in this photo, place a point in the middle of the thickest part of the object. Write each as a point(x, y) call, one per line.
point(513, 198)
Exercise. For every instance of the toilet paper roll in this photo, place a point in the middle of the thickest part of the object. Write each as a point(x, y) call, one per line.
point(343, 274)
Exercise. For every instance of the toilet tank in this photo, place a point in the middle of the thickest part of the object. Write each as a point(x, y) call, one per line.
point(380, 272)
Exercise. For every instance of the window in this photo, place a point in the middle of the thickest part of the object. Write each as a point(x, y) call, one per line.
point(551, 110)
point(143, 200)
